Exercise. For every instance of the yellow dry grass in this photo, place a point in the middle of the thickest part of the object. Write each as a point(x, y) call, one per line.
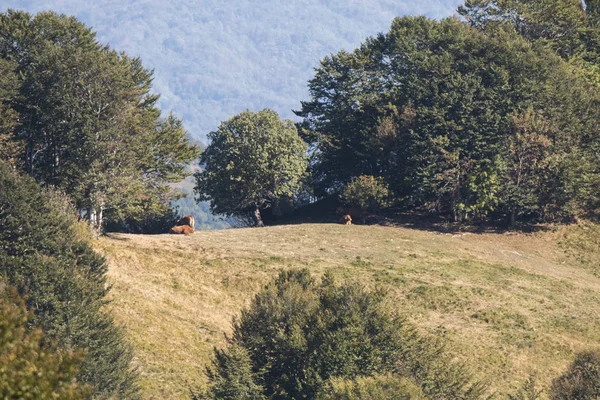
point(510, 305)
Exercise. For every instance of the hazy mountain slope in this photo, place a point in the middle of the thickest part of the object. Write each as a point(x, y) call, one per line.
point(214, 59)
point(510, 305)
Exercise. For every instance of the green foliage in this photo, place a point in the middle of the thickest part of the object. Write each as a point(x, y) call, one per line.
point(366, 193)
point(448, 115)
point(88, 121)
point(63, 281)
point(30, 367)
point(253, 160)
point(9, 146)
point(300, 334)
point(570, 161)
point(581, 381)
point(528, 161)
point(381, 387)
point(149, 216)
point(232, 376)
point(562, 25)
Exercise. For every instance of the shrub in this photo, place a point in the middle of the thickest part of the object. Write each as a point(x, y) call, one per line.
point(298, 335)
point(63, 282)
point(232, 377)
point(382, 387)
point(31, 368)
point(581, 381)
point(366, 193)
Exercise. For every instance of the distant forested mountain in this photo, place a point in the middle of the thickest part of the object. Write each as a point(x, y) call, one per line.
point(213, 59)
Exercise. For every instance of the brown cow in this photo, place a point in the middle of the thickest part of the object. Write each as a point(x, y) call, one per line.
point(187, 220)
point(182, 230)
point(184, 226)
point(346, 220)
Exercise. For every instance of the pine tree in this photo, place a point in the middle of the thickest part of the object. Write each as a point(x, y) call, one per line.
point(30, 367)
point(63, 281)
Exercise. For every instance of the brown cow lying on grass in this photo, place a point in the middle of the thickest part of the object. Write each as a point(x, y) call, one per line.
point(346, 220)
point(181, 230)
point(185, 226)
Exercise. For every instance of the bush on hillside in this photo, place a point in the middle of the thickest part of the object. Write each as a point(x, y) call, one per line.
point(366, 193)
point(30, 367)
point(231, 376)
point(62, 280)
point(383, 387)
point(298, 335)
point(581, 381)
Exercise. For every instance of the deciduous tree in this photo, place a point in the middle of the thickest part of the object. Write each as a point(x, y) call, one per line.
point(88, 119)
point(253, 160)
point(429, 107)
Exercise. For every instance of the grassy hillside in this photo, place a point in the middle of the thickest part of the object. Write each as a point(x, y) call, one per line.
point(510, 305)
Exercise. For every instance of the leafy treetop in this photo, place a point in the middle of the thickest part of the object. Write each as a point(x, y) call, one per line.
point(253, 160)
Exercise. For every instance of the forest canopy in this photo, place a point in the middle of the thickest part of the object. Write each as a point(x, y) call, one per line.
point(458, 120)
point(80, 116)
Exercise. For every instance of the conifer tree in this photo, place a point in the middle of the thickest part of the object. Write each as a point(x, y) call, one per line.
point(31, 367)
point(63, 282)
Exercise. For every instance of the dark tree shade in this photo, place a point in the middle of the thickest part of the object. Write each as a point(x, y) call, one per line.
point(581, 381)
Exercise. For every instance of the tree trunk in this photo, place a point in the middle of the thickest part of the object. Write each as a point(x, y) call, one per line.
point(100, 222)
point(455, 212)
point(91, 218)
point(258, 222)
point(96, 215)
point(93, 221)
point(513, 218)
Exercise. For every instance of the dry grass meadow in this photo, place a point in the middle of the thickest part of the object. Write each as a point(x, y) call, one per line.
point(510, 305)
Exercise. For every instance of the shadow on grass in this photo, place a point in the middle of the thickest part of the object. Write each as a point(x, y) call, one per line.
point(116, 236)
point(328, 211)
